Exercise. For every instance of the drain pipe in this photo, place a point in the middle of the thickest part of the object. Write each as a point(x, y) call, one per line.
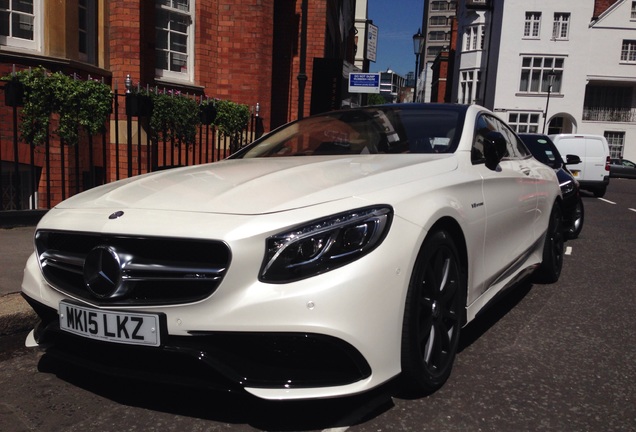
point(302, 75)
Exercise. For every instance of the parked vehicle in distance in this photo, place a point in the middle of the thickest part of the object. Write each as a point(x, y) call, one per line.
point(622, 168)
point(593, 173)
point(328, 257)
point(544, 150)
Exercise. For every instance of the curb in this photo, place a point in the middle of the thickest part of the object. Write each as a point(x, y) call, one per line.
point(15, 315)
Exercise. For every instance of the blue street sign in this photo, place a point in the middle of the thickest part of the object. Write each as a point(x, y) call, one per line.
point(364, 83)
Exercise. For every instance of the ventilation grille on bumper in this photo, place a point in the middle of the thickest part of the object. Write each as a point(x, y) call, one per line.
point(157, 270)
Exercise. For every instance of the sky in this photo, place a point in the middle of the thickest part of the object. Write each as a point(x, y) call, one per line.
point(397, 21)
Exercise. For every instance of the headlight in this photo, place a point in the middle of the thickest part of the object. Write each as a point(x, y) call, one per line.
point(567, 187)
point(324, 244)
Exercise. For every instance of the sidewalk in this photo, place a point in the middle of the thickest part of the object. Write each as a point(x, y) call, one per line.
point(16, 244)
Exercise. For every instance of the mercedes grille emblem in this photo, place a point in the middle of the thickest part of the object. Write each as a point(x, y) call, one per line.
point(103, 270)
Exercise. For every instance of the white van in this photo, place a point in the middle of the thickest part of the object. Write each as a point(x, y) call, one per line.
point(594, 170)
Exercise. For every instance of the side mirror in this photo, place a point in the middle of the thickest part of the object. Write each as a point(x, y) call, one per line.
point(572, 159)
point(495, 148)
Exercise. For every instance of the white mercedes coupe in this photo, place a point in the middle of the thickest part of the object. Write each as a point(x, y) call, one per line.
point(330, 256)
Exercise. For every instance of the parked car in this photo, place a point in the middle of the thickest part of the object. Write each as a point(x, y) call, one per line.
point(544, 150)
point(325, 259)
point(622, 168)
point(593, 172)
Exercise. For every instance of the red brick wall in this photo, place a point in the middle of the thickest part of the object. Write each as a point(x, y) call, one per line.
point(235, 50)
point(239, 52)
point(601, 6)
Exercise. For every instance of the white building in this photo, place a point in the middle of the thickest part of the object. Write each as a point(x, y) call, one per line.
point(552, 66)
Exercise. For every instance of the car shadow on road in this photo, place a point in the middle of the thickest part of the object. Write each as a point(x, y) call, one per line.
point(225, 407)
point(242, 408)
point(489, 316)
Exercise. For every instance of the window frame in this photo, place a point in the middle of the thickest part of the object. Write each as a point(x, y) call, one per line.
point(556, 64)
point(469, 86)
point(474, 38)
point(628, 51)
point(436, 21)
point(532, 25)
point(189, 15)
point(519, 125)
point(90, 32)
point(561, 26)
point(13, 42)
point(616, 143)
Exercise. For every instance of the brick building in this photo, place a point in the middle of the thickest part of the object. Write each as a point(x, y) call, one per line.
point(248, 52)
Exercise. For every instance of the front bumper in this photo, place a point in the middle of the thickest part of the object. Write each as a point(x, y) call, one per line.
point(219, 360)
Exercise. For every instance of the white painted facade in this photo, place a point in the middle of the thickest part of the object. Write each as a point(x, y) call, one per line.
point(507, 52)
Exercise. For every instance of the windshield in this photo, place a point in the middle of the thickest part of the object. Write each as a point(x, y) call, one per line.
point(542, 149)
point(371, 130)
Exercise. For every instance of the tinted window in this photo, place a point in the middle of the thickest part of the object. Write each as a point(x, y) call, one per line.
point(543, 150)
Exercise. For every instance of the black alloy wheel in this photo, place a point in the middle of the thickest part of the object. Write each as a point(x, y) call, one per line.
point(577, 221)
point(433, 315)
point(550, 268)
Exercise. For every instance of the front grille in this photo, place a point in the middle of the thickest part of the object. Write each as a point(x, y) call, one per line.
point(158, 270)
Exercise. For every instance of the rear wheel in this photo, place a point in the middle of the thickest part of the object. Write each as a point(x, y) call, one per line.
point(577, 220)
point(550, 269)
point(433, 315)
point(599, 192)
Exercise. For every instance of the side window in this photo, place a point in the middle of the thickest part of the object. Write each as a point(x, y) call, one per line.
point(516, 148)
point(487, 123)
point(482, 127)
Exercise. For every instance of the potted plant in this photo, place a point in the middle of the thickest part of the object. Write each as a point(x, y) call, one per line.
point(232, 119)
point(85, 103)
point(14, 92)
point(207, 111)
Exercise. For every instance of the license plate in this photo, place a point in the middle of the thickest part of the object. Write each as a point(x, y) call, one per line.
point(111, 326)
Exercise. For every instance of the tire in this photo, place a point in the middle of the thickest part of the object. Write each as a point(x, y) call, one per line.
point(599, 192)
point(550, 268)
point(576, 224)
point(433, 315)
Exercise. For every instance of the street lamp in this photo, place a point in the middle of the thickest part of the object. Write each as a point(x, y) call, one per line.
point(551, 75)
point(418, 42)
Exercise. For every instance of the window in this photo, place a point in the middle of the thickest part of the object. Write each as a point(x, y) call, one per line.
point(532, 25)
point(561, 26)
point(438, 21)
point(633, 10)
point(524, 122)
point(438, 36)
point(439, 5)
point(433, 51)
point(538, 73)
point(174, 31)
point(87, 31)
point(474, 38)
point(469, 86)
point(486, 123)
point(616, 141)
point(628, 51)
point(19, 23)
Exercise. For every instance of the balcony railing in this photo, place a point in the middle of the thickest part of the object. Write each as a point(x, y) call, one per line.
point(619, 115)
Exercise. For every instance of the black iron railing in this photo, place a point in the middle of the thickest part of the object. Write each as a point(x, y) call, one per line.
point(38, 177)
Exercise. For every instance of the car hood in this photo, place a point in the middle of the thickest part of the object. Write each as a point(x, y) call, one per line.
point(262, 185)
